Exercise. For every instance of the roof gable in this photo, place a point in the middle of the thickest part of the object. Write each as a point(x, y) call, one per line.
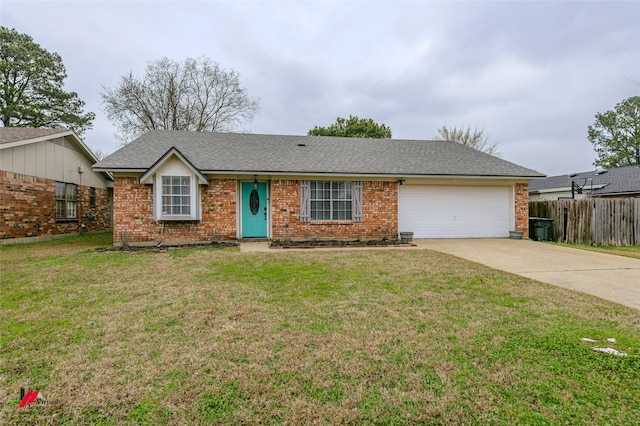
point(242, 153)
point(173, 152)
point(27, 134)
point(18, 136)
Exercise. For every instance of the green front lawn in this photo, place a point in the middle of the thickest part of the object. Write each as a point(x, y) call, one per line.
point(215, 336)
point(629, 251)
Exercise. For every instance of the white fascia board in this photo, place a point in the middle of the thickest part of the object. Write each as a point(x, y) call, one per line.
point(107, 172)
point(74, 138)
point(84, 147)
point(202, 180)
point(114, 170)
point(38, 139)
point(230, 173)
point(609, 194)
point(568, 189)
point(360, 175)
point(546, 191)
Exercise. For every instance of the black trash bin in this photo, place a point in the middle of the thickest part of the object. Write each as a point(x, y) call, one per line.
point(541, 228)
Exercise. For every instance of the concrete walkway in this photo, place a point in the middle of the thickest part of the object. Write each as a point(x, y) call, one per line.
point(610, 277)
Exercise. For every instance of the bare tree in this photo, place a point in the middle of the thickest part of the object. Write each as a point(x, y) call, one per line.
point(195, 95)
point(98, 153)
point(475, 139)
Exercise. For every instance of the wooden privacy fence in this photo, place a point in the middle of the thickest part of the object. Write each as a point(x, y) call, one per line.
point(594, 221)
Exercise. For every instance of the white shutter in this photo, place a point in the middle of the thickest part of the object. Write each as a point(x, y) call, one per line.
point(357, 201)
point(305, 201)
point(156, 195)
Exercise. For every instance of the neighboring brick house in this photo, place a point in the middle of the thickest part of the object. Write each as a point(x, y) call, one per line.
point(47, 185)
point(180, 187)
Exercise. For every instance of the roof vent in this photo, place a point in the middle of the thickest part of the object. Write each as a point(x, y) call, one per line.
point(601, 172)
point(302, 144)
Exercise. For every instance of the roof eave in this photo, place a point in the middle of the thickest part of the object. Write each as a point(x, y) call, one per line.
point(118, 170)
point(568, 188)
point(43, 138)
point(353, 174)
point(330, 174)
point(606, 194)
point(70, 133)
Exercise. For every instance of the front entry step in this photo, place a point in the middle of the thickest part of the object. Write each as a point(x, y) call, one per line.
point(253, 246)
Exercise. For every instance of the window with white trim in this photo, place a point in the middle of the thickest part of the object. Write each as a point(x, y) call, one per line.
point(66, 195)
point(176, 189)
point(330, 201)
point(176, 196)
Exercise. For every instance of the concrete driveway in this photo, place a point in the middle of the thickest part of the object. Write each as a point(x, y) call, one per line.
point(607, 276)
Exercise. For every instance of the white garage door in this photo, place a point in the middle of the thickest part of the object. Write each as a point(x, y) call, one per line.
point(455, 211)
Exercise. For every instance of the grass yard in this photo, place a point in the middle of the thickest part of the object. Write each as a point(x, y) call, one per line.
point(215, 336)
point(629, 251)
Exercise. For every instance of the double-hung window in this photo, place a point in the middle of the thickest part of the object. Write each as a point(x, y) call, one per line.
point(176, 196)
point(92, 198)
point(333, 201)
point(176, 188)
point(66, 195)
point(330, 200)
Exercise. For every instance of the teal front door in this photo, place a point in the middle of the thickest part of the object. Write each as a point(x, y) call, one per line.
point(254, 210)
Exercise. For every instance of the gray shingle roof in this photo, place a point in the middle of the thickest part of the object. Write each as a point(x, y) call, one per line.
point(255, 153)
point(13, 134)
point(621, 180)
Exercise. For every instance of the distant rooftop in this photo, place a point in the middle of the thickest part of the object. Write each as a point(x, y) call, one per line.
point(13, 134)
point(620, 180)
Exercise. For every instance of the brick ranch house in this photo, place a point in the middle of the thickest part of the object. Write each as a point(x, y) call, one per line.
point(184, 187)
point(47, 186)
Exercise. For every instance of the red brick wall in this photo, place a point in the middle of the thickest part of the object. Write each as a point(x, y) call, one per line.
point(380, 214)
point(134, 223)
point(521, 199)
point(27, 208)
point(133, 214)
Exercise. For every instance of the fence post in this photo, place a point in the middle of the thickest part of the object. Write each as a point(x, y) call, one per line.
point(596, 221)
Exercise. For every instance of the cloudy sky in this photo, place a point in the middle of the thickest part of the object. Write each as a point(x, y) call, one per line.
point(532, 74)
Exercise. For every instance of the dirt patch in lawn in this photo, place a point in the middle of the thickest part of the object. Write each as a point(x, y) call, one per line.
point(160, 247)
